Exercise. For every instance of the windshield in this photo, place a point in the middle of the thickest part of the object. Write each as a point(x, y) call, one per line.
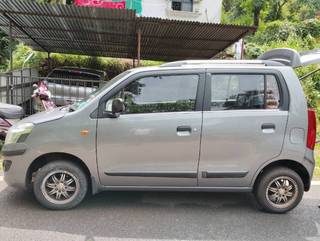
point(84, 102)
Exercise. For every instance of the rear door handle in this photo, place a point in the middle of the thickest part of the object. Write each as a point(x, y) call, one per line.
point(184, 130)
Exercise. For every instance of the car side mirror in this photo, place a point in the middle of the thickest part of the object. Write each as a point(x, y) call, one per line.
point(114, 107)
point(117, 106)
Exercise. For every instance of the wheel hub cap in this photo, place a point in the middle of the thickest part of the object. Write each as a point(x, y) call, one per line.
point(60, 187)
point(282, 192)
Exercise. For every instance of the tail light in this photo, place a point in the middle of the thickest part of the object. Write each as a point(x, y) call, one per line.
point(312, 129)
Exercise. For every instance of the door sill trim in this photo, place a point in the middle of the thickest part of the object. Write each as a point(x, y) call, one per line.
point(176, 189)
point(153, 174)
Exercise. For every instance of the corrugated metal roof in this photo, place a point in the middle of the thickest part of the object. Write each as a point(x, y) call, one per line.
point(112, 32)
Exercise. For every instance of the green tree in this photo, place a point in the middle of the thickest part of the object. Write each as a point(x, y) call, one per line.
point(275, 9)
point(262, 11)
point(4, 51)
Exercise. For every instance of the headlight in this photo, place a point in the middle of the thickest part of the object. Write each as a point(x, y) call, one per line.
point(19, 131)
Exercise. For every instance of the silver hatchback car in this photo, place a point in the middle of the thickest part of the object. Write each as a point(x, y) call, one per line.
point(240, 126)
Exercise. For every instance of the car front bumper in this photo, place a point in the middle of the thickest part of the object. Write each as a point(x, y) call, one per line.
point(15, 165)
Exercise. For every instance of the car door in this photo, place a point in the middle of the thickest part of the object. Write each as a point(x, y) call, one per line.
point(244, 125)
point(156, 141)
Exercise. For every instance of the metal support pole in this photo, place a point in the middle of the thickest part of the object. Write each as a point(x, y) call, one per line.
point(242, 48)
point(133, 62)
point(139, 47)
point(49, 62)
point(10, 47)
point(10, 82)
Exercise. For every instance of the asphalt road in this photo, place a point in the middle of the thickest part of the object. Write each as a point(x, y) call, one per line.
point(138, 216)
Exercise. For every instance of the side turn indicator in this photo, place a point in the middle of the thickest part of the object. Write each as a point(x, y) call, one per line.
point(84, 133)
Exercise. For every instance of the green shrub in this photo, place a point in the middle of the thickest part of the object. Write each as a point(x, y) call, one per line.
point(253, 50)
point(283, 30)
point(39, 60)
point(309, 27)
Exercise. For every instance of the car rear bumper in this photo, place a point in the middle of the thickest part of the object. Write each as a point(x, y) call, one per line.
point(309, 163)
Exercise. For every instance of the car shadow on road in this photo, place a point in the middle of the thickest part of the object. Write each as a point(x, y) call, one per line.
point(155, 215)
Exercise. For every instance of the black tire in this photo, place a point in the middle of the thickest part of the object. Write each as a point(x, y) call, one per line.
point(270, 181)
point(49, 175)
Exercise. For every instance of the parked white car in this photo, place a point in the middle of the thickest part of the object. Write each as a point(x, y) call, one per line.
point(69, 84)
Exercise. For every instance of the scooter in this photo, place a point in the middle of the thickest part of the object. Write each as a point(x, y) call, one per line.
point(42, 97)
point(8, 115)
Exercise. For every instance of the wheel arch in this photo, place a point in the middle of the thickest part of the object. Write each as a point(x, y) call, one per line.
point(49, 157)
point(293, 165)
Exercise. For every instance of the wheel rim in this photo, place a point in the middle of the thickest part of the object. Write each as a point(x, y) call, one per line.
point(60, 187)
point(282, 192)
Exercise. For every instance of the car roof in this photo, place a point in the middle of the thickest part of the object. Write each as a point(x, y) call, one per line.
point(212, 64)
point(221, 62)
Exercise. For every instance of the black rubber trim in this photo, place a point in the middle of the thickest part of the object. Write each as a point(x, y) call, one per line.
point(153, 174)
point(224, 174)
point(94, 114)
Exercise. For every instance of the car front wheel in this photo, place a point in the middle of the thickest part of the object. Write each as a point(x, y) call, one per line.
point(279, 190)
point(60, 185)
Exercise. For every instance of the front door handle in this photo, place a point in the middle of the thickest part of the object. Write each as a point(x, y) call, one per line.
point(268, 128)
point(184, 130)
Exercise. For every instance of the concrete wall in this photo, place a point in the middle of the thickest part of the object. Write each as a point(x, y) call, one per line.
point(203, 10)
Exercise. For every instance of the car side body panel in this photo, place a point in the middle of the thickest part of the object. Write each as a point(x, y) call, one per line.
point(63, 135)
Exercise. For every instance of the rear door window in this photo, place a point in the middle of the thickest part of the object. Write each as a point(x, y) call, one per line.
point(244, 91)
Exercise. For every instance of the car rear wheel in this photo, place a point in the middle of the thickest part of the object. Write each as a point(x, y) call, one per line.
point(60, 185)
point(279, 190)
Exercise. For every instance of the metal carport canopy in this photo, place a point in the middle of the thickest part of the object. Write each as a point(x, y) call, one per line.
point(56, 28)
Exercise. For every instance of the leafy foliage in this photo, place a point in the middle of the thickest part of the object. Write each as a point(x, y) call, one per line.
point(257, 12)
point(281, 24)
point(40, 61)
point(4, 51)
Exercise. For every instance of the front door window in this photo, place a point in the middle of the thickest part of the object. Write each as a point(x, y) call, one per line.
point(155, 94)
